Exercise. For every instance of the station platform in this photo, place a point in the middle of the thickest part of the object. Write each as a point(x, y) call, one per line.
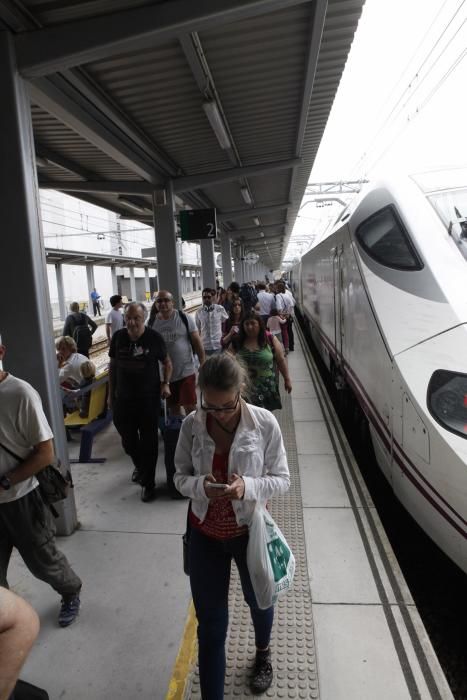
point(349, 628)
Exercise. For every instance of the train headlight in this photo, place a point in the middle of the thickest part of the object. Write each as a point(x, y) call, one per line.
point(447, 400)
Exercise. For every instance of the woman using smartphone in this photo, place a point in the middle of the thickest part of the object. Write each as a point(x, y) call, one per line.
point(231, 326)
point(230, 455)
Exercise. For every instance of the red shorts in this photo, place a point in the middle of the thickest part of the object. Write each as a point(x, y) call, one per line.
point(183, 392)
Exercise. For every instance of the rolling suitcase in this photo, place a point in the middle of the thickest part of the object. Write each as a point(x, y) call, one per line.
point(170, 433)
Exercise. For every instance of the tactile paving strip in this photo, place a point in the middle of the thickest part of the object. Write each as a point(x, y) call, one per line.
point(292, 642)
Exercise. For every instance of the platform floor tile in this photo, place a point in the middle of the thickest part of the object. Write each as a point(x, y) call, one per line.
point(306, 409)
point(348, 659)
point(322, 484)
point(313, 438)
point(338, 564)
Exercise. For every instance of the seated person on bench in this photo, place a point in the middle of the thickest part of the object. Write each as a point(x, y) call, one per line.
point(74, 399)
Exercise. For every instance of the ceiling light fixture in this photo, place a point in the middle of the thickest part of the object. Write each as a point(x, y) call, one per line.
point(246, 195)
point(212, 112)
point(256, 221)
point(261, 233)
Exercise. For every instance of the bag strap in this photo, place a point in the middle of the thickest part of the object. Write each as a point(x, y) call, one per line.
point(182, 315)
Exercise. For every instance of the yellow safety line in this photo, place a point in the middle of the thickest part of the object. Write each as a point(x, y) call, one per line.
point(185, 658)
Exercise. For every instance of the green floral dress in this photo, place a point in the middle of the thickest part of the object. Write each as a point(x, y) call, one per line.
point(264, 390)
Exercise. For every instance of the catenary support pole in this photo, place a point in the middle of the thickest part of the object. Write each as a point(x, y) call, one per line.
point(22, 263)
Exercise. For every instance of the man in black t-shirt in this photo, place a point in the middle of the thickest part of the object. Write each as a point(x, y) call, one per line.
point(135, 393)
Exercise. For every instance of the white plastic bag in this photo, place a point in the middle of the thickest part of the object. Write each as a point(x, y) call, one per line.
point(270, 561)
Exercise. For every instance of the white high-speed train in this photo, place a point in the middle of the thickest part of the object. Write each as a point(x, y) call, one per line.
point(385, 296)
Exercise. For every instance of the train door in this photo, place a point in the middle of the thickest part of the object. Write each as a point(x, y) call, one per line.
point(338, 284)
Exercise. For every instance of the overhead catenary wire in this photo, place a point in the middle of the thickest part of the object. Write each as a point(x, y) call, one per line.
point(435, 89)
point(413, 86)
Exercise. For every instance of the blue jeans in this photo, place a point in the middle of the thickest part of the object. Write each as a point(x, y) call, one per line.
point(210, 562)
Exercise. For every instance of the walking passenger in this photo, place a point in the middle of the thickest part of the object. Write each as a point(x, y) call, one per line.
point(182, 339)
point(238, 448)
point(19, 627)
point(231, 327)
point(263, 356)
point(209, 321)
point(135, 393)
point(266, 302)
point(114, 319)
point(96, 306)
point(80, 327)
point(26, 523)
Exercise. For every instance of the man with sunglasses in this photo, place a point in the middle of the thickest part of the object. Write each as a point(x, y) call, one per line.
point(182, 340)
point(209, 321)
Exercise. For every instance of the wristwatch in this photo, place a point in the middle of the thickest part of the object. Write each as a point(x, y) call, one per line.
point(5, 483)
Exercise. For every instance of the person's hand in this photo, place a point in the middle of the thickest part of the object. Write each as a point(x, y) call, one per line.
point(236, 489)
point(287, 385)
point(165, 391)
point(210, 491)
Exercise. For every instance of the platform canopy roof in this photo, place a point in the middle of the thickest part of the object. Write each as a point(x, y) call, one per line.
point(227, 99)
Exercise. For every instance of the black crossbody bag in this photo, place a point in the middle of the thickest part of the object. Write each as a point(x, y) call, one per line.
point(54, 486)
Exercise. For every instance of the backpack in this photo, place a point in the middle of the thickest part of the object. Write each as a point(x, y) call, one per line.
point(82, 335)
point(248, 296)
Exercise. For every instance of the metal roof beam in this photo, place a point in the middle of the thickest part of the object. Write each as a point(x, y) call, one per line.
point(45, 51)
point(245, 213)
point(319, 17)
point(64, 163)
point(59, 98)
point(255, 229)
point(87, 87)
point(182, 184)
point(103, 187)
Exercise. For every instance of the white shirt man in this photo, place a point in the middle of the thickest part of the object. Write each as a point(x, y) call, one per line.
point(26, 523)
point(209, 323)
point(266, 301)
point(114, 319)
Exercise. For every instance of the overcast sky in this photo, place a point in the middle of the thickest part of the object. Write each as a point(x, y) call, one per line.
point(402, 99)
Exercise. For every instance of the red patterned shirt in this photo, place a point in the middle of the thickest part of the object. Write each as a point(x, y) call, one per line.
point(220, 522)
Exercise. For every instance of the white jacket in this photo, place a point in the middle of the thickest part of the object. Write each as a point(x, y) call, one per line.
point(257, 454)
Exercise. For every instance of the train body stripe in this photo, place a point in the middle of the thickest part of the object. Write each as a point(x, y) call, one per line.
point(383, 431)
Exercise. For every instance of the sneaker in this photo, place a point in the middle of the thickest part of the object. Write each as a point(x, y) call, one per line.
point(262, 675)
point(69, 611)
point(136, 476)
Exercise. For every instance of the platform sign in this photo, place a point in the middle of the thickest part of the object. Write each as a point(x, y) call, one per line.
point(198, 223)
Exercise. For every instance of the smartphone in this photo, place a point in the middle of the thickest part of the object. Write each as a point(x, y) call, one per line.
point(217, 486)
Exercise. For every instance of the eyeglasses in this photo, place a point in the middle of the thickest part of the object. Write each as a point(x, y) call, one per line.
point(226, 409)
point(163, 300)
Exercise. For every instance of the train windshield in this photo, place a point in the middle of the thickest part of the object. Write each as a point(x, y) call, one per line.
point(447, 192)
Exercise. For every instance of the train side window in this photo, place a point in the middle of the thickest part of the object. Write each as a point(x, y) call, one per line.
point(384, 238)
